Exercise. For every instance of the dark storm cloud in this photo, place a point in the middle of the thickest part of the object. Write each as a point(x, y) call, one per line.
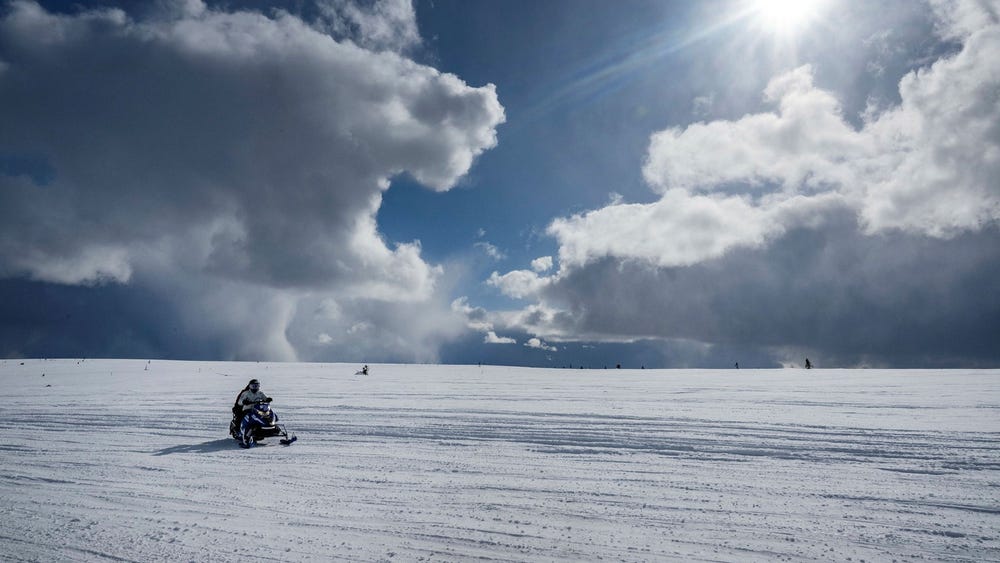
point(46, 320)
point(839, 296)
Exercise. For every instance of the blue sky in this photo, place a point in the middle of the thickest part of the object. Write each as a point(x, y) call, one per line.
point(659, 184)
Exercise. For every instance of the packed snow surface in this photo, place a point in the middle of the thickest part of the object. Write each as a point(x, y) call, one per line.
point(129, 460)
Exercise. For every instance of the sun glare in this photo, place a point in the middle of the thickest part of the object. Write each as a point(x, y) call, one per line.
point(784, 16)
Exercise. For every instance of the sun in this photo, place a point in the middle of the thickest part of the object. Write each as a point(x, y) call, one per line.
point(784, 16)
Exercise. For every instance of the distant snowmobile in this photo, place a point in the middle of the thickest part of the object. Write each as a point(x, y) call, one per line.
point(259, 423)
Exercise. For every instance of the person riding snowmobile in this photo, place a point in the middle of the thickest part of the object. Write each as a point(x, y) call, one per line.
point(253, 420)
point(251, 394)
point(245, 401)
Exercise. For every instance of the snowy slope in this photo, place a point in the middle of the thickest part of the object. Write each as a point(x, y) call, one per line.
point(105, 460)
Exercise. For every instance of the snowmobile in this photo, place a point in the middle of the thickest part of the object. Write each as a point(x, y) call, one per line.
point(259, 423)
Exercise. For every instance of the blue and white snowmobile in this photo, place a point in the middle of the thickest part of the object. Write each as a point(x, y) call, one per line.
point(259, 423)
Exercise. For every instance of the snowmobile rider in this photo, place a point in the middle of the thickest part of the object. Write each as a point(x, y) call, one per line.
point(251, 394)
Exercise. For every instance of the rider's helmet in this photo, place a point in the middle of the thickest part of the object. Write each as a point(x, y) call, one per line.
point(254, 385)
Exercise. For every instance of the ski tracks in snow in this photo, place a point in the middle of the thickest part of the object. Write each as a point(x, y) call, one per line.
point(448, 463)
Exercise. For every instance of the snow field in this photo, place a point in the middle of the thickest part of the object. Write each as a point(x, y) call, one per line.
point(125, 460)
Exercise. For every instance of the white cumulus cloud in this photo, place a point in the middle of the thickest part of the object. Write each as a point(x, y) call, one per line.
point(539, 344)
point(519, 283)
point(492, 338)
point(226, 146)
point(542, 264)
point(927, 166)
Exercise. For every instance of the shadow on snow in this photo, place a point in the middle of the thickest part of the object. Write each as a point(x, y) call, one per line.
point(202, 448)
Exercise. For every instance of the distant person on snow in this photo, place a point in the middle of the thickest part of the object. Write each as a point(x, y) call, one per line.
point(808, 364)
point(364, 370)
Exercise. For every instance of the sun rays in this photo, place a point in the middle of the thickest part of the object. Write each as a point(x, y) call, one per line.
point(784, 17)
